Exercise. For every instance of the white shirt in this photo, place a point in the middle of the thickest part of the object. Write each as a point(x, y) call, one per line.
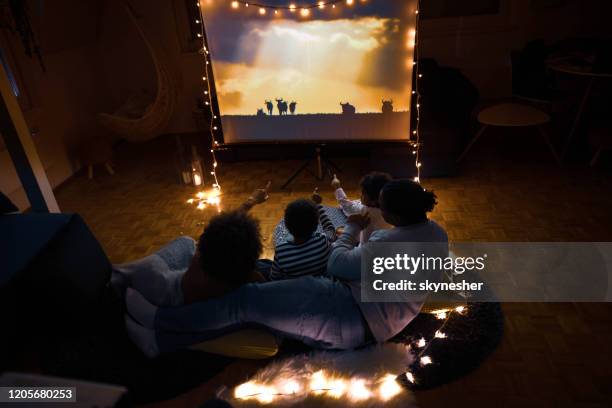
point(355, 206)
point(384, 319)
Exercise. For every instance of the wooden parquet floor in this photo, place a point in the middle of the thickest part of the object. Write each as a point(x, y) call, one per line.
point(552, 355)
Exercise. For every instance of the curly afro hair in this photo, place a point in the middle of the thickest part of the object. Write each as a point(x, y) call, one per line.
point(301, 218)
point(372, 183)
point(407, 201)
point(230, 246)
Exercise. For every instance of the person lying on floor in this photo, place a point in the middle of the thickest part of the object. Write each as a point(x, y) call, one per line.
point(184, 272)
point(371, 185)
point(306, 251)
point(322, 312)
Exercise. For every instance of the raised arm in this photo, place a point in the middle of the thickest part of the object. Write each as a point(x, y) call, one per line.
point(328, 226)
point(348, 206)
point(259, 196)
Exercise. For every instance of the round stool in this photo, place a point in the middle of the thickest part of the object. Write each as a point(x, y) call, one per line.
point(512, 115)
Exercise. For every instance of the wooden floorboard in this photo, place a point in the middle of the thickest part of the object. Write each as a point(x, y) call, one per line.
point(552, 355)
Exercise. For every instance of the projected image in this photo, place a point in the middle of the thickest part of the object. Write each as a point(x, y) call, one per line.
point(332, 73)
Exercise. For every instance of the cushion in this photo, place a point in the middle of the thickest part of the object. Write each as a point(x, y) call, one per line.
point(250, 344)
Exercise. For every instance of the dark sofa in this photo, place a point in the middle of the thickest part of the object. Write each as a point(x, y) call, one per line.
point(59, 317)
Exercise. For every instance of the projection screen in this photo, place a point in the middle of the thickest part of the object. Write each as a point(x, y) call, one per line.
point(340, 73)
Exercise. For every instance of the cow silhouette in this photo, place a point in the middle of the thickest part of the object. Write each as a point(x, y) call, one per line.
point(347, 108)
point(387, 106)
point(292, 107)
point(269, 107)
point(260, 112)
point(281, 106)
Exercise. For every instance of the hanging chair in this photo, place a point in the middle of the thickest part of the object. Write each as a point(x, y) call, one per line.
point(148, 122)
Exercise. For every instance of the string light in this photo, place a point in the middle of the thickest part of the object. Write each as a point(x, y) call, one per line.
point(263, 7)
point(322, 384)
point(412, 43)
point(211, 197)
point(423, 359)
point(426, 360)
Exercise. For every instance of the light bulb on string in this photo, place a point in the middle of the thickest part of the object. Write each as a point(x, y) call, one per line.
point(426, 360)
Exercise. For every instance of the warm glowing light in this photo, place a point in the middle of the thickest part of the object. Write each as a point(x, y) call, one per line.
point(200, 195)
point(235, 4)
point(358, 390)
point(305, 12)
point(440, 335)
point(245, 390)
point(262, 11)
point(410, 377)
point(321, 4)
point(350, 2)
point(266, 395)
point(190, 201)
point(318, 381)
point(292, 7)
point(290, 387)
point(337, 388)
point(421, 343)
point(389, 388)
point(201, 205)
point(417, 180)
point(460, 309)
point(426, 360)
point(440, 314)
point(197, 179)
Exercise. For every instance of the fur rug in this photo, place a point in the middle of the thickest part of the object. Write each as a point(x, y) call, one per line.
point(362, 378)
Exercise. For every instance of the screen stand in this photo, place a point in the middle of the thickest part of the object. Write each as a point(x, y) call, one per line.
point(324, 167)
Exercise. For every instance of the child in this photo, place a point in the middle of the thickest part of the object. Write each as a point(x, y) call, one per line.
point(307, 252)
point(371, 184)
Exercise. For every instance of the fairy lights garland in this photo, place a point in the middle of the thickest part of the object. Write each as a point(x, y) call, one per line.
point(416, 141)
point(292, 7)
point(212, 197)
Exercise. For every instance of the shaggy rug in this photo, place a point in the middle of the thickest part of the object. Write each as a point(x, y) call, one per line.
point(361, 378)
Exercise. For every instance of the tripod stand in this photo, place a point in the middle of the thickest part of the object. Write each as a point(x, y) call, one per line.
point(324, 166)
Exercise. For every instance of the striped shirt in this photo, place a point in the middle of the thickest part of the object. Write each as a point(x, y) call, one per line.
point(308, 258)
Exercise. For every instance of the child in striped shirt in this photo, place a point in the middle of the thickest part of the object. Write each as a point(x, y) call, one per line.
point(307, 252)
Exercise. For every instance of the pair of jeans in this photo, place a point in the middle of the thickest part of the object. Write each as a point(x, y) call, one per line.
point(318, 311)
